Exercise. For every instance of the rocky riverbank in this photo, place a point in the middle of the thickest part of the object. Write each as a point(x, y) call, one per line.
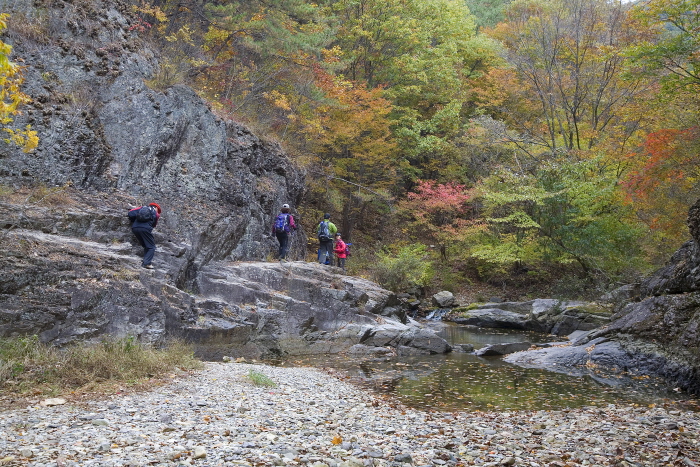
point(219, 417)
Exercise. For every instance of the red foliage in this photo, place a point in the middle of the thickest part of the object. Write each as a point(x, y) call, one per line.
point(439, 207)
point(662, 183)
point(438, 196)
point(141, 25)
point(658, 155)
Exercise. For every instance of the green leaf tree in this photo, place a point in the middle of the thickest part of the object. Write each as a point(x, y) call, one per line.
point(673, 42)
point(567, 213)
point(487, 12)
point(421, 53)
point(408, 267)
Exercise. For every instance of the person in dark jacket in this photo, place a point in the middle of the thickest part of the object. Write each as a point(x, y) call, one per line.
point(143, 230)
point(282, 227)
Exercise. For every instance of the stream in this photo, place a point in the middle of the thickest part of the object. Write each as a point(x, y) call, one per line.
point(460, 381)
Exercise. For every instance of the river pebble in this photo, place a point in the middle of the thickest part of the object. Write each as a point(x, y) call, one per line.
point(218, 417)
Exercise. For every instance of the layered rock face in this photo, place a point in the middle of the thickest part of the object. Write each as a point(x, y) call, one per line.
point(102, 129)
point(305, 308)
point(665, 319)
point(69, 265)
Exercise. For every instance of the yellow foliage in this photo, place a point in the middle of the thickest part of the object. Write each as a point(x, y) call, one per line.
point(27, 139)
point(214, 37)
point(11, 97)
point(161, 18)
point(278, 99)
point(184, 34)
point(332, 55)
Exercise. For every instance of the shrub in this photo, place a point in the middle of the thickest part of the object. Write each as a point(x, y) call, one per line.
point(360, 261)
point(410, 267)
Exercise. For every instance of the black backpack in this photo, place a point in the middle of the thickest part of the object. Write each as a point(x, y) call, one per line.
point(145, 214)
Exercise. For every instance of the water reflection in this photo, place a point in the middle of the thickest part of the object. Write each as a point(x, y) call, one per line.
point(463, 381)
point(480, 337)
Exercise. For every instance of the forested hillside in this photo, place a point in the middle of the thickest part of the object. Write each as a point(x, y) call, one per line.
point(527, 144)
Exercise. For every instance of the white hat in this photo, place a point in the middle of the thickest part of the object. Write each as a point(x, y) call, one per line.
point(285, 206)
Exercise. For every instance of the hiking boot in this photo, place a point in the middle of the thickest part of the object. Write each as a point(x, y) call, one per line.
point(148, 266)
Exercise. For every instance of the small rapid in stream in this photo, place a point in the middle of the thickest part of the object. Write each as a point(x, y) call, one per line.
point(463, 381)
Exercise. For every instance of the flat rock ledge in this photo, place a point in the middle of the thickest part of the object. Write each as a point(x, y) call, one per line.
point(74, 289)
point(271, 309)
point(311, 418)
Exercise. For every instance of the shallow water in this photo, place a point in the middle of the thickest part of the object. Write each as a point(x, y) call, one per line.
point(463, 381)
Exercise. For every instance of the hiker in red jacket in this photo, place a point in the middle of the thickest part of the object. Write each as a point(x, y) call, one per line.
point(340, 250)
point(143, 219)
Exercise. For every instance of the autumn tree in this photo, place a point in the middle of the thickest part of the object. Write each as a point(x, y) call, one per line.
point(564, 116)
point(673, 50)
point(439, 213)
point(357, 156)
point(11, 98)
point(421, 53)
point(568, 57)
point(568, 213)
point(664, 180)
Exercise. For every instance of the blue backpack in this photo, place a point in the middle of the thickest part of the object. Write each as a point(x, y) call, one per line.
point(282, 223)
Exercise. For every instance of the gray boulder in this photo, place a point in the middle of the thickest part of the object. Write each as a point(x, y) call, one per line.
point(502, 349)
point(443, 299)
point(576, 360)
point(490, 318)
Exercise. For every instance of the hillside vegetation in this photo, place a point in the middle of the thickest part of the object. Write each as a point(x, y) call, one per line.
point(539, 145)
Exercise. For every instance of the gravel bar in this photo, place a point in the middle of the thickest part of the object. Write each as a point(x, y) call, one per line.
point(217, 416)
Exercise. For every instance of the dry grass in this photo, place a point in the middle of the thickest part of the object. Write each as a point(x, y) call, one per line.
point(30, 368)
point(39, 195)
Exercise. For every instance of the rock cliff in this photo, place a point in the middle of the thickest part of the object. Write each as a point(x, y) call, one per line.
point(69, 266)
point(104, 130)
